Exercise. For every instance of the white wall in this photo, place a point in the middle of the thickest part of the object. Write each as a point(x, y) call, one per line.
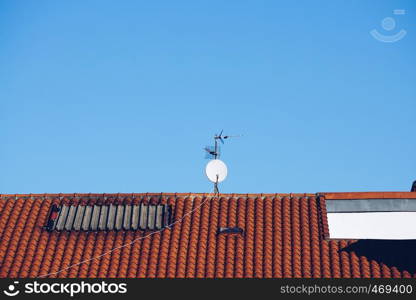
point(372, 225)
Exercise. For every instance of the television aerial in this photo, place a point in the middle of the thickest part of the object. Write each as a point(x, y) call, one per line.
point(216, 170)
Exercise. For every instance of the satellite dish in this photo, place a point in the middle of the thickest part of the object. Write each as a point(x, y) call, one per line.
point(216, 170)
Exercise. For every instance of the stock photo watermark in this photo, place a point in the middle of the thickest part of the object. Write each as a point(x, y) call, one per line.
point(389, 25)
point(70, 289)
point(12, 290)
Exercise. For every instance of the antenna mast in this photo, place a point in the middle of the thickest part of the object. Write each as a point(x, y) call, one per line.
point(216, 170)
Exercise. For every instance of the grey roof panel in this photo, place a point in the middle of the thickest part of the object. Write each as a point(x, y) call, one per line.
point(70, 218)
point(159, 216)
point(87, 218)
point(111, 216)
point(78, 217)
point(94, 217)
point(102, 223)
point(135, 217)
point(370, 205)
point(143, 216)
point(119, 217)
point(151, 217)
point(60, 223)
point(127, 218)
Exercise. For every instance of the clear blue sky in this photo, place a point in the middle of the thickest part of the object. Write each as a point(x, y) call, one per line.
point(121, 96)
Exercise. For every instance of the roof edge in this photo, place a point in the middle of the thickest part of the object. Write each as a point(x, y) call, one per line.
point(326, 195)
point(368, 195)
point(190, 194)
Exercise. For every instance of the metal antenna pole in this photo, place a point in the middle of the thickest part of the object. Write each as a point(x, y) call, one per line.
point(215, 156)
point(216, 148)
point(216, 191)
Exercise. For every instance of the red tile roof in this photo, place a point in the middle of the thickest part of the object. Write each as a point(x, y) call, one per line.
point(284, 236)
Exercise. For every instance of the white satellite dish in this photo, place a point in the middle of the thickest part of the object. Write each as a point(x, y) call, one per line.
point(216, 170)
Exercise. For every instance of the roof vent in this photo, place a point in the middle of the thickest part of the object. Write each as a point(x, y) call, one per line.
point(109, 217)
point(230, 230)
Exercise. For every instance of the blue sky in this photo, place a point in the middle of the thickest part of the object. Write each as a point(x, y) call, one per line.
point(121, 96)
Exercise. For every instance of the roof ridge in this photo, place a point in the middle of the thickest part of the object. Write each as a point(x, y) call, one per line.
point(158, 194)
point(327, 195)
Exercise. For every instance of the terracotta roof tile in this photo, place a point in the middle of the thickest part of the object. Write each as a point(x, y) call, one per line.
point(282, 236)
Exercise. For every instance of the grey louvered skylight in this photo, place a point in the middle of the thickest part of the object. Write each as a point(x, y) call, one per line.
point(109, 217)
